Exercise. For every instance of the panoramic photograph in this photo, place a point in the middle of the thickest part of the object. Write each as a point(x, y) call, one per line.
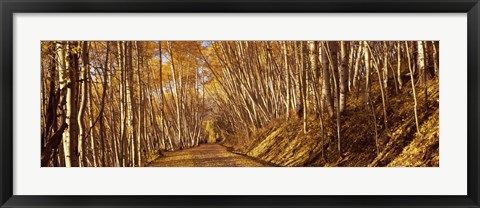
point(210, 103)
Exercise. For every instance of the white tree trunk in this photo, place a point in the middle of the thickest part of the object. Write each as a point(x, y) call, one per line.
point(64, 78)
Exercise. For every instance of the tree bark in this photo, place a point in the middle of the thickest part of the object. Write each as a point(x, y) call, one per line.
point(65, 83)
point(326, 90)
point(413, 86)
point(83, 103)
point(343, 76)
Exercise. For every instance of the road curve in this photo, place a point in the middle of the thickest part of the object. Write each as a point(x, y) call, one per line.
point(205, 155)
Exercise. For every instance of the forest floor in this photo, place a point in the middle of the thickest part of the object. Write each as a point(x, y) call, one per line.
point(206, 155)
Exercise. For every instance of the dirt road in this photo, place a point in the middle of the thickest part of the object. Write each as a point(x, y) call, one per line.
point(206, 155)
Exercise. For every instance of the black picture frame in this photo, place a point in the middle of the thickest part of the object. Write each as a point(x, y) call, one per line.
point(9, 7)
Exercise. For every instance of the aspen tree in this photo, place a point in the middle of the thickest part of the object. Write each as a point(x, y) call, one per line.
point(368, 100)
point(326, 90)
point(72, 65)
point(131, 101)
point(435, 57)
point(399, 64)
point(343, 76)
point(64, 79)
point(367, 72)
point(287, 76)
point(385, 68)
point(304, 88)
point(413, 86)
point(358, 59)
point(83, 103)
point(140, 107)
point(104, 95)
point(333, 59)
point(423, 72)
point(380, 83)
point(123, 110)
point(314, 71)
point(350, 69)
point(314, 66)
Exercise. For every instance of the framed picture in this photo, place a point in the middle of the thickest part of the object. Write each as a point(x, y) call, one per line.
point(239, 104)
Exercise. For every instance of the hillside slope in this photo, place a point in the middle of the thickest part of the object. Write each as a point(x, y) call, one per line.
point(283, 142)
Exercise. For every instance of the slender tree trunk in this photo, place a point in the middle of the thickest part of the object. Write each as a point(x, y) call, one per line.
point(105, 92)
point(380, 83)
point(385, 68)
point(304, 88)
point(399, 65)
point(314, 73)
point(326, 81)
point(423, 72)
point(123, 110)
point(435, 57)
point(64, 79)
point(162, 97)
point(132, 112)
point(333, 59)
point(368, 100)
point(350, 67)
point(73, 68)
point(140, 107)
point(176, 100)
point(343, 77)
point(358, 59)
point(286, 74)
point(367, 73)
point(83, 104)
point(413, 86)
point(421, 63)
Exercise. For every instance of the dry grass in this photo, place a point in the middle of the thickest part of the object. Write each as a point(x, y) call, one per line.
point(284, 143)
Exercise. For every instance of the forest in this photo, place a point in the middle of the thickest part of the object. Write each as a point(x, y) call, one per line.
point(239, 103)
